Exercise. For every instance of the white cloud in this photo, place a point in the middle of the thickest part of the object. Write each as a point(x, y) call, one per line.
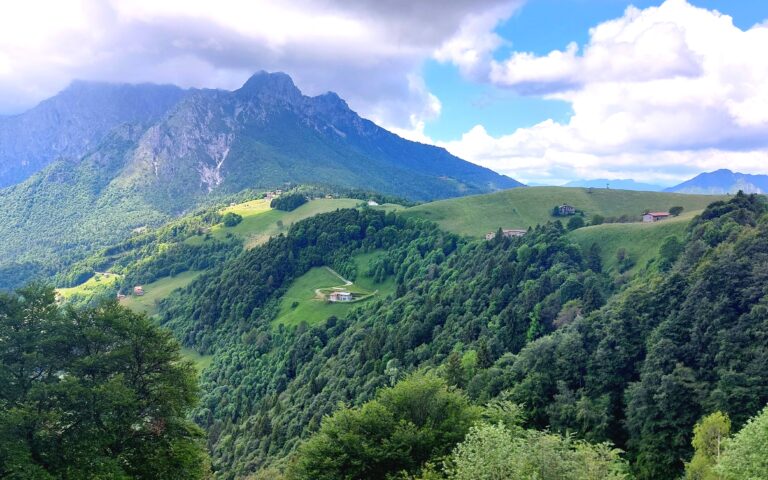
point(368, 51)
point(658, 94)
point(471, 48)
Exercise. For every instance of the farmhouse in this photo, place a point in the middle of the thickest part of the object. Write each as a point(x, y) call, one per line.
point(138, 290)
point(340, 297)
point(507, 232)
point(655, 216)
point(564, 210)
point(373, 203)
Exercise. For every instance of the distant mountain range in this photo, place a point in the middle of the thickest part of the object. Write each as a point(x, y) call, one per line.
point(154, 152)
point(721, 182)
point(618, 184)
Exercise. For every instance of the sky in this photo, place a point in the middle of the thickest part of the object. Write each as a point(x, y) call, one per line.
point(545, 91)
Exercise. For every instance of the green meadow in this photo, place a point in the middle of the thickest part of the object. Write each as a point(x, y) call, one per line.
point(156, 291)
point(301, 302)
point(260, 222)
point(98, 283)
point(641, 241)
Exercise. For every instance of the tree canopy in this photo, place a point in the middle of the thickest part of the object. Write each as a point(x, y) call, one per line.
point(93, 393)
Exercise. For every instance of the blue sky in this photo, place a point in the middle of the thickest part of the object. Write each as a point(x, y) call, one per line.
point(539, 26)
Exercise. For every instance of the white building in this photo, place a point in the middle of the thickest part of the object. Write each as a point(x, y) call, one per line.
point(507, 232)
point(340, 297)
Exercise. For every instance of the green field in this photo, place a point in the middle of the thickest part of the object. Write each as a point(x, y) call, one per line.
point(156, 291)
point(260, 221)
point(477, 215)
point(98, 283)
point(302, 304)
point(640, 240)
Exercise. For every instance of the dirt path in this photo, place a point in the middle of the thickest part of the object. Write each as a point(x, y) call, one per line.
point(320, 295)
point(346, 282)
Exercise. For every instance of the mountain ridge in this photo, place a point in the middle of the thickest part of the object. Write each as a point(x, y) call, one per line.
point(723, 181)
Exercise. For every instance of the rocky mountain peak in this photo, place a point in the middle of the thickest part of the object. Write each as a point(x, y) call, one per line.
point(266, 86)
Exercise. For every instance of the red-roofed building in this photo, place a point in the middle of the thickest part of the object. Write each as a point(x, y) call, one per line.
point(655, 216)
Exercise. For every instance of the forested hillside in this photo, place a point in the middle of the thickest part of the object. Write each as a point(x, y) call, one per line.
point(533, 317)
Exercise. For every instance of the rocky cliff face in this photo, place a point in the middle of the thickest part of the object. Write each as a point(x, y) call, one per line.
point(267, 133)
point(73, 122)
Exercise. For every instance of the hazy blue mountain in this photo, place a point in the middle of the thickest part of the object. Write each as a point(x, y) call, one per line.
point(618, 184)
point(73, 122)
point(721, 182)
point(210, 144)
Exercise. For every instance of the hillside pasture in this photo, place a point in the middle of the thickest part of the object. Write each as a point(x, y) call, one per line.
point(260, 221)
point(640, 241)
point(305, 300)
point(156, 291)
point(474, 216)
point(99, 283)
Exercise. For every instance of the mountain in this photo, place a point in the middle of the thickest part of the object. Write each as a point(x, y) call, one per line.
point(721, 182)
point(618, 184)
point(267, 133)
point(209, 145)
point(73, 122)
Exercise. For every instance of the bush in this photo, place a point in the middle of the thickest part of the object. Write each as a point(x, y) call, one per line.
point(288, 202)
point(575, 222)
point(231, 219)
point(494, 451)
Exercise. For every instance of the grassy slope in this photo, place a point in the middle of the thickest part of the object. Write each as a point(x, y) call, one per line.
point(525, 207)
point(90, 287)
point(312, 310)
point(640, 240)
point(156, 291)
point(260, 221)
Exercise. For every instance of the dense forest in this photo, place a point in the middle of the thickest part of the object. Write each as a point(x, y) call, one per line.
point(532, 318)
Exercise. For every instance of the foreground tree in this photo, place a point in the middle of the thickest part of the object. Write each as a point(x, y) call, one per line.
point(746, 454)
point(495, 452)
point(418, 419)
point(93, 393)
point(709, 436)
